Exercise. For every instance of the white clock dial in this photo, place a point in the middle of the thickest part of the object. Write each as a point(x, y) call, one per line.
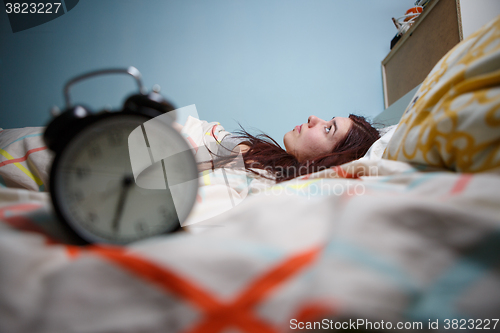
point(95, 191)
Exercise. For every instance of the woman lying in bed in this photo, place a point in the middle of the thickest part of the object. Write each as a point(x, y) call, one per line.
point(310, 147)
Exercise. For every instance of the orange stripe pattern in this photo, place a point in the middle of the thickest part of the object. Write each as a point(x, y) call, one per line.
point(218, 314)
point(24, 158)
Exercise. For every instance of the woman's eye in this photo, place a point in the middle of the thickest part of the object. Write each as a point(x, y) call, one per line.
point(327, 129)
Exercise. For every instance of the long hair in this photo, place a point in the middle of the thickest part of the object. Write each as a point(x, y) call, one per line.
point(265, 153)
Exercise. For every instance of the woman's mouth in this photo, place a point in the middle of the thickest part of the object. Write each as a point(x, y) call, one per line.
point(298, 128)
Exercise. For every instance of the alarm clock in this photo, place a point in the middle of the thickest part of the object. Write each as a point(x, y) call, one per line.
point(96, 188)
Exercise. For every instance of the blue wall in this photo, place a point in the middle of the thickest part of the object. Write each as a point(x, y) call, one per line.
point(265, 64)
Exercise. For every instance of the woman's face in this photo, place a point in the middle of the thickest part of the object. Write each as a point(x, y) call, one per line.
point(316, 137)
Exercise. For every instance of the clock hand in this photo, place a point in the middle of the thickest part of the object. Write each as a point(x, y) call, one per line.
point(126, 182)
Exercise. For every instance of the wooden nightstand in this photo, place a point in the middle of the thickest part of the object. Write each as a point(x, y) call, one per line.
point(442, 25)
point(433, 34)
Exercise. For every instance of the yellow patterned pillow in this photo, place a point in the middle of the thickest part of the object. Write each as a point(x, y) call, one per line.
point(453, 121)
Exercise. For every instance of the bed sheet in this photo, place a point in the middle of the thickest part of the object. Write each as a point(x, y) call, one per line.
point(25, 159)
point(370, 240)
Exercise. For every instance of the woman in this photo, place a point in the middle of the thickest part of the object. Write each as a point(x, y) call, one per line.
point(310, 147)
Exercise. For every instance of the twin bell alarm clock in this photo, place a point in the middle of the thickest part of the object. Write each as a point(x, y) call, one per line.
point(120, 176)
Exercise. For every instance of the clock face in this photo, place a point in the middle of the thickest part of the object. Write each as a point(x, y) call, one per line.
point(95, 192)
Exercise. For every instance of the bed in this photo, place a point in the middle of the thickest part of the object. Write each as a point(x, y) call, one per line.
point(407, 237)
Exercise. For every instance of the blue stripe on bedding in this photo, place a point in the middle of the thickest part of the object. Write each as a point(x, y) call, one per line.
point(22, 138)
point(440, 302)
point(420, 180)
point(378, 264)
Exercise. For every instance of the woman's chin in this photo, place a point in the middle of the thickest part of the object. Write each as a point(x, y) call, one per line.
point(286, 140)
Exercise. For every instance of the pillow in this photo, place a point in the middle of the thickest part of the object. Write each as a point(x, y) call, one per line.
point(377, 148)
point(24, 159)
point(453, 121)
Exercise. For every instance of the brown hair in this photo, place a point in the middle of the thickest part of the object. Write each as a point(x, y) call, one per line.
point(265, 153)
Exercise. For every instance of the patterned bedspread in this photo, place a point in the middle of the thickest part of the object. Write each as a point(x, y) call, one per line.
point(373, 240)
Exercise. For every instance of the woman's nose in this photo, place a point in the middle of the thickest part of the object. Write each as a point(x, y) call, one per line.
point(312, 121)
